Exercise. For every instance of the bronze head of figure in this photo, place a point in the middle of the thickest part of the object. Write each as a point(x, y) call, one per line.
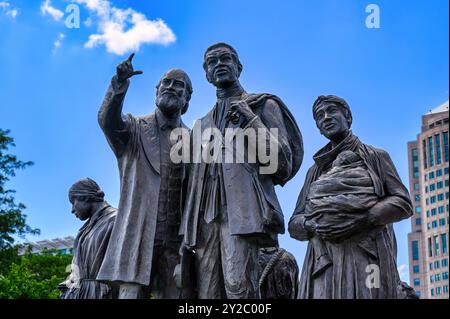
point(173, 93)
point(333, 117)
point(222, 65)
point(85, 196)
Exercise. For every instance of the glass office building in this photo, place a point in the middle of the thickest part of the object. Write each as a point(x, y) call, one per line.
point(428, 240)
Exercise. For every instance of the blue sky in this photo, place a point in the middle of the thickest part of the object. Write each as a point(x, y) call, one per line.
point(54, 78)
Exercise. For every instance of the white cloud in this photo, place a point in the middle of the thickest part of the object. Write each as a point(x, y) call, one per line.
point(403, 271)
point(101, 7)
point(12, 13)
point(124, 30)
point(58, 42)
point(88, 22)
point(8, 10)
point(46, 8)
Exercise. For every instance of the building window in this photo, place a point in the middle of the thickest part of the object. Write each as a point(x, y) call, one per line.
point(445, 275)
point(415, 250)
point(419, 221)
point(440, 197)
point(415, 159)
point(431, 175)
point(416, 282)
point(437, 277)
point(445, 289)
point(432, 199)
point(442, 222)
point(416, 269)
point(446, 169)
point(417, 198)
point(440, 184)
point(438, 172)
point(418, 210)
point(436, 245)
point(441, 209)
point(431, 150)
point(446, 147)
point(437, 139)
point(432, 187)
point(428, 213)
point(434, 224)
point(432, 292)
point(431, 278)
point(444, 262)
point(424, 153)
point(430, 248)
point(436, 264)
point(444, 242)
point(433, 212)
point(446, 183)
point(431, 266)
point(438, 291)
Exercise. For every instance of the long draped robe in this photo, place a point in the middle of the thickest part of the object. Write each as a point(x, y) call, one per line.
point(89, 250)
point(358, 260)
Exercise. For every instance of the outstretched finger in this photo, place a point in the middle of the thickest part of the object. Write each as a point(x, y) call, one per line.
point(137, 72)
point(130, 58)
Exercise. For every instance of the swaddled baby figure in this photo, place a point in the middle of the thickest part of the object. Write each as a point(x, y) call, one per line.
point(345, 190)
point(337, 196)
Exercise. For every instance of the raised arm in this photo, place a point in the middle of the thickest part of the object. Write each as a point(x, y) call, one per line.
point(110, 113)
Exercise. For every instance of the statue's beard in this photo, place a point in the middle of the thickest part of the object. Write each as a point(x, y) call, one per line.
point(169, 104)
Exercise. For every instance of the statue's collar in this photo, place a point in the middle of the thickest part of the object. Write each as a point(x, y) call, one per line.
point(94, 218)
point(234, 90)
point(165, 122)
point(98, 213)
point(325, 156)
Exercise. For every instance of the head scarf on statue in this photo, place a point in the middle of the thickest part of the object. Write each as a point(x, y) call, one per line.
point(87, 189)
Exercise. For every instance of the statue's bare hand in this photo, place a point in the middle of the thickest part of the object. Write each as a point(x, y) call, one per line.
point(125, 69)
point(240, 108)
point(310, 226)
point(343, 230)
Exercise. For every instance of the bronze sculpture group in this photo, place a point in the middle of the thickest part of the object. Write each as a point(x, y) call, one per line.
point(207, 227)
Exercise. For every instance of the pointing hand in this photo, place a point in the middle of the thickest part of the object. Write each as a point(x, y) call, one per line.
point(125, 69)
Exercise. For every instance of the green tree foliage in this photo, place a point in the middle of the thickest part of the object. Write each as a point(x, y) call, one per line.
point(12, 219)
point(7, 257)
point(35, 276)
point(27, 276)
